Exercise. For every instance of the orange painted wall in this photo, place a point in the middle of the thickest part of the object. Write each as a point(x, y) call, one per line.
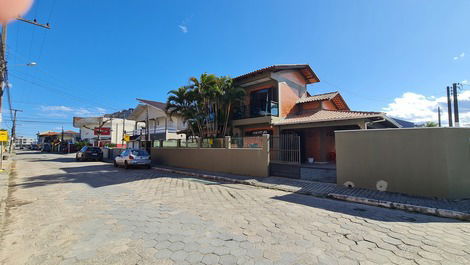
point(313, 140)
point(311, 105)
point(328, 105)
point(289, 97)
point(293, 76)
point(312, 144)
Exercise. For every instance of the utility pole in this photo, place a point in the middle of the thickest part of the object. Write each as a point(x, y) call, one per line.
point(449, 106)
point(456, 105)
point(439, 115)
point(13, 128)
point(123, 130)
point(3, 58)
point(3, 65)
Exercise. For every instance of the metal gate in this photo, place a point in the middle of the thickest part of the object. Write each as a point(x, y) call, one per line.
point(285, 156)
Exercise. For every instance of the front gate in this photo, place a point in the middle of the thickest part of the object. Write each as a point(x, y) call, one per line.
point(285, 156)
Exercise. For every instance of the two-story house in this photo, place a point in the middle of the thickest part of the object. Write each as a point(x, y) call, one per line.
point(152, 124)
point(277, 102)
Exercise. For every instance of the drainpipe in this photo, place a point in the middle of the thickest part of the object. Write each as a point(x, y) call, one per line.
point(372, 122)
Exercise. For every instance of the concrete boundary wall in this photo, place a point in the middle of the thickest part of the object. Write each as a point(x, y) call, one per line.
point(433, 162)
point(240, 161)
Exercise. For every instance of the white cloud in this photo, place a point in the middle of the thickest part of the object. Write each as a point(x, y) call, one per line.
point(56, 108)
point(183, 28)
point(64, 111)
point(464, 82)
point(460, 56)
point(419, 108)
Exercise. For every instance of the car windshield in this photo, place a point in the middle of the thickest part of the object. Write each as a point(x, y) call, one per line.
point(94, 149)
point(139, 153)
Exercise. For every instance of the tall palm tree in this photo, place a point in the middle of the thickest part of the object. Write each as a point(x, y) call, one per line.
point(231, 95)
point(182, 102)
point(206, 103)
point(207, 93)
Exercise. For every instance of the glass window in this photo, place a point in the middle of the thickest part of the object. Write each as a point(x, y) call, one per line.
point(139, 153)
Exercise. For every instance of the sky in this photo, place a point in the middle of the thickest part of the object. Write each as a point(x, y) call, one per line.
point(99, 56)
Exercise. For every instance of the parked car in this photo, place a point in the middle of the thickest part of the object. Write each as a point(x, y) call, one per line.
point(89, 153)
point(133, 157)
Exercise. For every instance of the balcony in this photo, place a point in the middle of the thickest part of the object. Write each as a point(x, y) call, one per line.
point(152, 131)
point(252, 114)
point(255, 111)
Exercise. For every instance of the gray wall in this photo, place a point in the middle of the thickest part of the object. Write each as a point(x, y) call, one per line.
point(432, 162)
point(240, 161)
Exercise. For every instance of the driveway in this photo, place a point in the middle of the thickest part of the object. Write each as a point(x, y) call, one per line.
point(66, 212)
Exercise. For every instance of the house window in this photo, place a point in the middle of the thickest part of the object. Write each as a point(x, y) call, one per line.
point(262, 103)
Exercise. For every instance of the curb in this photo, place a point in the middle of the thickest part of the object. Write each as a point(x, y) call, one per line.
point(361, 200)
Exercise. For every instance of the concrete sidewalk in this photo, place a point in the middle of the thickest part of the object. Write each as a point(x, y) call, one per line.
point(4, 186)
point(444, 208)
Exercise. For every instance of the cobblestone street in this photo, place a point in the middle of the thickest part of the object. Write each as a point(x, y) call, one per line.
point(64, 212)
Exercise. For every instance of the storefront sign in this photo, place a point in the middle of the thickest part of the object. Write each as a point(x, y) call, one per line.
point(102, 131)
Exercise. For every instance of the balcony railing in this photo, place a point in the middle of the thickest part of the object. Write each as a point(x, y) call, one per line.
point(253, 111)
point(152, 131)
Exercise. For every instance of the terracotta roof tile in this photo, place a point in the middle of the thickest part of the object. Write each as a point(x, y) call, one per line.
point(305, 69)
point(319, 97)
point(156, 104)
point(327, 115)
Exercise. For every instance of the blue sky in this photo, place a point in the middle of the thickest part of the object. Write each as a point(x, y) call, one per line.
point(394, 56)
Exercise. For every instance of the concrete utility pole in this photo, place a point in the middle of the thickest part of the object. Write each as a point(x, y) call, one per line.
point(449, 106)
point(3, 65)
point(13, 128)
point(439, 115)
point(456, 105)
point(3, 59)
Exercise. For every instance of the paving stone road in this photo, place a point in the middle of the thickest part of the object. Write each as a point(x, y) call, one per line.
point(66, 212)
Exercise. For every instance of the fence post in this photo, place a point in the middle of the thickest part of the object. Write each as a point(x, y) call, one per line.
point(199, 142)
point(178, 143)
point(266, 143)
point(228, 142)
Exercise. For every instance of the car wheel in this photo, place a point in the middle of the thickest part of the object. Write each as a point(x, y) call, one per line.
point(126, 165)
point(149, 167)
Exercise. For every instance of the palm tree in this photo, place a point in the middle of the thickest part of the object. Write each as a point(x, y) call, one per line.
point(207, 93)
point(205, 103)
point(231, 95)
point(183, 102)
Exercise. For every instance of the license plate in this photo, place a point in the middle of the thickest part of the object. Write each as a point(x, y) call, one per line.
point(94, 154)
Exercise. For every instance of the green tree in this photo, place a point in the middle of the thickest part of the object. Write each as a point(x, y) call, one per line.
point(430, 124)
point(206, 104)
point(231, 94)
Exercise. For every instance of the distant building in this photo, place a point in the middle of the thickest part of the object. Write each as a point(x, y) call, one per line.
point(49, 140)
point(22, 141)
point(154, 124)
point(104, 130)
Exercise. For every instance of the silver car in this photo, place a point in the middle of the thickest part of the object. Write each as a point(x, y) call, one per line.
point(133, 157)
